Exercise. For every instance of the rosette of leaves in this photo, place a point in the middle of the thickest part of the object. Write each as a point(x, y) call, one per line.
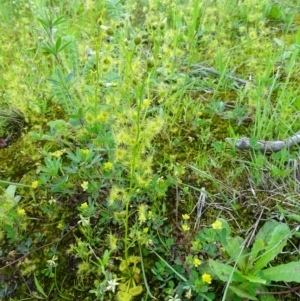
point(246, 272)
point(129, 286)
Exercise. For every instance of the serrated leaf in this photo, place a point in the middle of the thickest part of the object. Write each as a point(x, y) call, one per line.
point(285, 272)
point(241, 293)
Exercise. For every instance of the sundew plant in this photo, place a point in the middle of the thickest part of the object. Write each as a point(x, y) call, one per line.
point(149, 150)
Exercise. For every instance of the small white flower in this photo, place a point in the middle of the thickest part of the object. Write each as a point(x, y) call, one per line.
point(51, 261)
point(85, 221)
point(84, 185)
point(111, 285)
point(52, 201)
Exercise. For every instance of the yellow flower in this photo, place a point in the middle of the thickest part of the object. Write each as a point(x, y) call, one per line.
point(84, 185)
point(58, 153)
point(206, 278)
point(60, 226)
point(185, 216)
point(146, 103)
point(34, 184)
point(217, 225)
point(103, 116)
point(108, 166)
point(83, 206)
point(145, 230)
point(199, 113)
point(21, 212)
point(150, 214)
point(85, 151)
point(196, 262)
point(185, 227)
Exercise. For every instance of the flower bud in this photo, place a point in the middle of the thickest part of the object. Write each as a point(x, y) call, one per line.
point(137, 40)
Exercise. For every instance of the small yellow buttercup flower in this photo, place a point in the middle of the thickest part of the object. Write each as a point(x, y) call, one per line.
point(60, 226)
point(34, 184)
point(85, 151)
point(206, 278)
point(146, 102)
point(185, 227)
point(217, 225)
point(84, 185)
point(196, 262)
point(83, 206)
point(108, 166)
point(21, 212)
point(185, 216)
point(103, 116)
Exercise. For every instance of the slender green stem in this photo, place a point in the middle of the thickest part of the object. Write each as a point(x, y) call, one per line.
point(16, 184)
point(180, 276)
point(144, 275)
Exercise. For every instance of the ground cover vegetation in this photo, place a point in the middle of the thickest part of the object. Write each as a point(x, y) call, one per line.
point(121, 171)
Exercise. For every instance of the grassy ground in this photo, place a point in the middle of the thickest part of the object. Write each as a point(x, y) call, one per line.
point(117, 180)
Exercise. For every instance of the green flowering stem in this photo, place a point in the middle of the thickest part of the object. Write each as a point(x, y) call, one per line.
point(144, 275)
point(180, 276)
point(16, 184)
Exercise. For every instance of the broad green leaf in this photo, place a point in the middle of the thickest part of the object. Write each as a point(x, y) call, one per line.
point(226, 272)
point(265, 232)
point(276, 12)
point(242, 293)
point(254, 279)
point(256, 248)
point(11, 190)
point(274, 236)
point(237, 252)
point(285, 272)
point(39, 287)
